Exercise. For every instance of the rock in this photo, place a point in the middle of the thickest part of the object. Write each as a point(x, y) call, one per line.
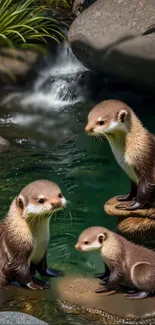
point(107, 37)
point(3, 142)
point(138, 225)
point(76, 294)
point(13, 317)
point(15, 65)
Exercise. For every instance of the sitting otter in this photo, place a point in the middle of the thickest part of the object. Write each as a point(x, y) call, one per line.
point(24, 234)
point(133, 147)
point(125, 260)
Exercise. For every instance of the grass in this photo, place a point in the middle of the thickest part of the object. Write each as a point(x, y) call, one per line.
point(25, 24)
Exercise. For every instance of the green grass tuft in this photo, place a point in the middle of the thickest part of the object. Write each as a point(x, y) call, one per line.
point(25, 24)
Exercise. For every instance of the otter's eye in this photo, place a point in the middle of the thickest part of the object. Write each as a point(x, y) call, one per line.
point(86, 242)
point(41, 200)
point(60, 195)
point(100, 122)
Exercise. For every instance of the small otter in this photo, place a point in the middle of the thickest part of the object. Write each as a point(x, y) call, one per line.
point(24, 234)
point(133, 147)
point(125, 260)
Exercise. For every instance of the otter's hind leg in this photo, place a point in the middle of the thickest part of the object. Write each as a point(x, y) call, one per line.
point(143, 277)
point(42, 268)
point(137, 295)
point(131, 195)
point(143, 196)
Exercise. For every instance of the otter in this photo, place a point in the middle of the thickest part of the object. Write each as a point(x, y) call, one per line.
point(24, 235)
point(133, 147)
point(125, 261)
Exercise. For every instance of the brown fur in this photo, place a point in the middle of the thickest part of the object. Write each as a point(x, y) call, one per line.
point(132, 139)
point(18, 229)
point(126, 260)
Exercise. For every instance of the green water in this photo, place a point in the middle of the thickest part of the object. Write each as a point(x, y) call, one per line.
point(86, 171)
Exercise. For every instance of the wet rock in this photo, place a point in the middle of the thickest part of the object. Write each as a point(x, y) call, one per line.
point(77, 295)
point(108, 37)
point(11, 318)
point(15, 65)
point(3, 142)
point(138, 225)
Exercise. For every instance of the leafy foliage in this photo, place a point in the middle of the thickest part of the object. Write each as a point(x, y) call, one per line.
point(24, 23)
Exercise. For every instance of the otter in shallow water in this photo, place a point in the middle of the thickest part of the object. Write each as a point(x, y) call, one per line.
point(24, 234)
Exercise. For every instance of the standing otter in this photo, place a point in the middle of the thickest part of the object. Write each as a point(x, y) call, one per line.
point(133, 147)
point(124, 259)
point(24, 234)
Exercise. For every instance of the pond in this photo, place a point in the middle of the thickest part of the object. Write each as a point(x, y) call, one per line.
point(52, 144)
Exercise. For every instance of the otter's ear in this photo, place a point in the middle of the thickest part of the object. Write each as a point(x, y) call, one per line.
point(20, 201)
point(101, 237)
point(122, 115)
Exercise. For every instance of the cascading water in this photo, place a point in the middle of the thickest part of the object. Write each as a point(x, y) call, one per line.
point(42, 106)
point(57, 85)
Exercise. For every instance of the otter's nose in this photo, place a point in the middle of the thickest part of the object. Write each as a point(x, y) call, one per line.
point(56, 204)
point(88, 128)
point(78, 247)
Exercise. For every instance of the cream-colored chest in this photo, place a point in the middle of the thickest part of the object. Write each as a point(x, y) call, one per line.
point(40, 241)
point(126, 165)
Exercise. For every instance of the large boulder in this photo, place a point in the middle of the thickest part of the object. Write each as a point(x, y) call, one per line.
point(107, 37)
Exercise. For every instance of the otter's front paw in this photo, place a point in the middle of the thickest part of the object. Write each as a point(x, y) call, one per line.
point(102, 289)
point(33, 286)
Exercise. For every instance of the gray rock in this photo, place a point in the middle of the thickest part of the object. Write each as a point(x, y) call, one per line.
point(13, 318)
point(4, 142)
point(108, 37)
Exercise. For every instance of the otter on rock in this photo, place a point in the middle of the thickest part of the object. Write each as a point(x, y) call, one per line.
point(133, 147)
point(24, 235)
point(125, 260)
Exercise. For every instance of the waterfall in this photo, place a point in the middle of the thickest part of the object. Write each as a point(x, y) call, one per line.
point(56, 86)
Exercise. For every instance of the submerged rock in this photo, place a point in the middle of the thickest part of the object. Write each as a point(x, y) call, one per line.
point(107, 37)
point(76, 294)
point(3, 142)
point(13, 317)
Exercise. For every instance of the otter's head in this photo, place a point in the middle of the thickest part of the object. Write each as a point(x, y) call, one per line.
point(92, 239)
point(41, 197)
point(108, 117)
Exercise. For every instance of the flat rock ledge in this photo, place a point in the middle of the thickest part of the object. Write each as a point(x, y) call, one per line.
point(76, 295)
point(14, 318)
point(138, 225)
